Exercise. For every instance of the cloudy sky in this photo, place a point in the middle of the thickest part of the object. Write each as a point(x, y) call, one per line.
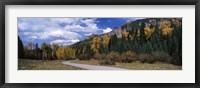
point(65, 31)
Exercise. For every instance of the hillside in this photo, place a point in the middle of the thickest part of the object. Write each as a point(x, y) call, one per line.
point(135, 25)
point(152, 39)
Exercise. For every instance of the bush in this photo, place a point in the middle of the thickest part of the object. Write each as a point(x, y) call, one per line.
point(146, 58)
point(161, 56)
point(122, 58)
point(109, 59)
point(106, 60)
point(128, 57)
point(114, 55)
point(84, 57)
point(176, 60)
point(97, 56)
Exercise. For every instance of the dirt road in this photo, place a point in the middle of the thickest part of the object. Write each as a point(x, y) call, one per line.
point(91, 67)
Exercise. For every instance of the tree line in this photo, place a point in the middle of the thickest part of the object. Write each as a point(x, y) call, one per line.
point(45, 52)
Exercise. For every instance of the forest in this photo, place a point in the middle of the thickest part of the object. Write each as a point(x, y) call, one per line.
point(145, 40)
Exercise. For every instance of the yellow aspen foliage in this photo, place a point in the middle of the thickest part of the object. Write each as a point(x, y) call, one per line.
point(165, 27)
point(95, 44)
point(70, 52)
point(148, 31)
point(65, 53)
point(106, 40)
point(60, 53)
point(126, 35)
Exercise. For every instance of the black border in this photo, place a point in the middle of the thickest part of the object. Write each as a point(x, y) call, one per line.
point(98, 2)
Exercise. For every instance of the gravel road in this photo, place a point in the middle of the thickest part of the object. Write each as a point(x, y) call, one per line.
point(91, 67)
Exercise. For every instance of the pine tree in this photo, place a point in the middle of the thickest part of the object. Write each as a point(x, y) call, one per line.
point(142, 34)
point(112, 43)
point(20, 48)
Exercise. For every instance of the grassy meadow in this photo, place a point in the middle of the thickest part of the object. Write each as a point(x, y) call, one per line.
point(26, 64)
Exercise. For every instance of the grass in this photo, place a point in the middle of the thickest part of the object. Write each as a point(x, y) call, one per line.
point(136, 65)
point(25, 64)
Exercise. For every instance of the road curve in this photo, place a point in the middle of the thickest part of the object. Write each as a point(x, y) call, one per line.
point(91, 67)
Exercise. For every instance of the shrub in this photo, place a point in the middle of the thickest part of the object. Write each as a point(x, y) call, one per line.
point(128, 57)
point(161, 56)
point(114, 56)
point(84, 57)
point(146, 58)
point(106, 60)
point(122, 58)
point(98, 56)
point(176, 60)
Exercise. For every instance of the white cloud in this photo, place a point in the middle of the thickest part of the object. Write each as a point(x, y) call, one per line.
point(59, 41)
point(23, 26)
point(91, 26)
point(65, 42)
point(88, 21)
point(61, 20)
point(75, 40)
point(107, 30)
point(71, 27)
point(58, 33)
point(33, 24)
point(88, 34)
point(34, 37)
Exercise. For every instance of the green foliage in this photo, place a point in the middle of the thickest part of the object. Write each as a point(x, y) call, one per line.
point(46, 49)
point(161, 56)
point(84, 57)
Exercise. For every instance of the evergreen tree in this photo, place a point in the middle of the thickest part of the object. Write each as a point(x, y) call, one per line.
point(142, 34)
point(20, 48)
point(112, 43)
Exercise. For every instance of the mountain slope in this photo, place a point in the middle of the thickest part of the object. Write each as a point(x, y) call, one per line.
point(144, 36)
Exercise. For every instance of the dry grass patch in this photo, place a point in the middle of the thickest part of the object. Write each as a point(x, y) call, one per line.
point(135, 65)
point(43, 65)
point(146, 66)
